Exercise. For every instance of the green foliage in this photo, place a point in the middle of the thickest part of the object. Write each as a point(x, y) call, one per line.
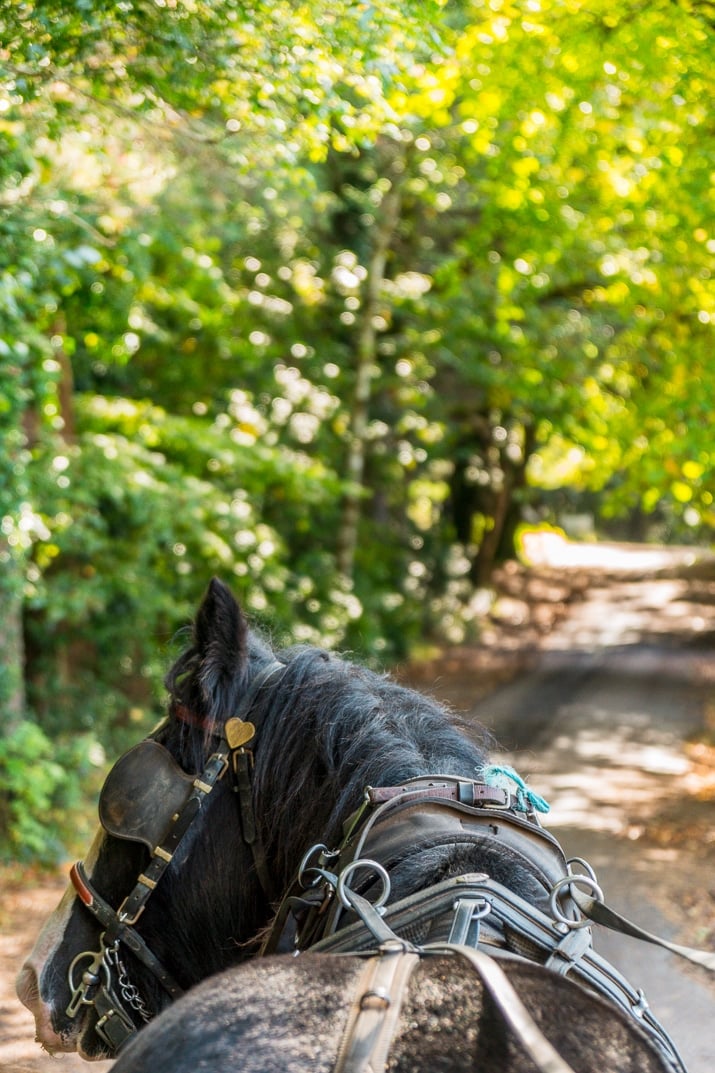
point(43, 788)
point(136, 515)
point(281, 279)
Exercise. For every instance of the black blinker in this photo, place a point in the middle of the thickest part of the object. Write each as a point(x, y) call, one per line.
point(142, 792)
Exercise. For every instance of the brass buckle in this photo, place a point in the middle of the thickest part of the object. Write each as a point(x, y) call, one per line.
point(122, 916)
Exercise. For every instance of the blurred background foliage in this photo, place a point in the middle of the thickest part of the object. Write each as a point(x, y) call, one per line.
point(328, 299)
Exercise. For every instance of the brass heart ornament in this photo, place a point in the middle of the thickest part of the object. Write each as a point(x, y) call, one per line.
point(238, 732)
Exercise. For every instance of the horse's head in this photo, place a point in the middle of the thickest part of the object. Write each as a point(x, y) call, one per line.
point(169, 891)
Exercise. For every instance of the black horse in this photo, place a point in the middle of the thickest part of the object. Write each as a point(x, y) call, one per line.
point(186, 874)
point(325, 728)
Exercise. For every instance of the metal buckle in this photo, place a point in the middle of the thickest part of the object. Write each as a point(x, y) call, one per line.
point(499, 798)
point(122, 916)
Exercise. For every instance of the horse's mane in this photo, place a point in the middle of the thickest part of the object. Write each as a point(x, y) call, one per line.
point(326, 727)
point(329, 728)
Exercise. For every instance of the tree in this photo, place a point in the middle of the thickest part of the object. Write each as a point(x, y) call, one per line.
point(325, 297)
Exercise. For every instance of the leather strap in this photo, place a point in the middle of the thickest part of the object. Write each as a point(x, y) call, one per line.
point(510, 920)
point(373, 1016)
point(114, 1026)
point(242, 760)
point(107, 917)
point(133, 906)
point(241, 764)
point(474, 794)
point(373, 920)
point(408, 815)
point(426, 822)
point(513, 1010)
point(600, 913)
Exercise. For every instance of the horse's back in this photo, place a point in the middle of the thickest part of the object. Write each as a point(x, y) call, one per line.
point(283, 1014)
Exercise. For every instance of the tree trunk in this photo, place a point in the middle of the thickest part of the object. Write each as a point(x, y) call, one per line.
point(12, 555)
point(365, 358)
point(498, 542)
point(12, 649)
point(21, 432)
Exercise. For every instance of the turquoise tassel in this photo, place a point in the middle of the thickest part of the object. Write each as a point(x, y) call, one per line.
point(526, 799)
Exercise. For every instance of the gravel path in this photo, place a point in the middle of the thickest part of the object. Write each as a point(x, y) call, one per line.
point(600, 719)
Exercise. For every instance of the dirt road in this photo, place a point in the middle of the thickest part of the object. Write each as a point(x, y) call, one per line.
point(616, 670)
point(611, 691)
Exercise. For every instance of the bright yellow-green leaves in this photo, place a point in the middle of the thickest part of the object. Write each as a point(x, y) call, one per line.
point(194, 193)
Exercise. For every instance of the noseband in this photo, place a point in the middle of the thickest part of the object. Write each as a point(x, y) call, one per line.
point(128, 810)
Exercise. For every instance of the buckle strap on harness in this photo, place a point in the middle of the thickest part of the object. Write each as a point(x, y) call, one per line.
point(475, 794)
point(107, 917)
point(507, 914)
point(133, 905)
point(115, 1025)
point(240, 734)
point(373, 1016)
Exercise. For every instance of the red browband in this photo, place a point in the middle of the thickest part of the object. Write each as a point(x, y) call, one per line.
point(84, 894)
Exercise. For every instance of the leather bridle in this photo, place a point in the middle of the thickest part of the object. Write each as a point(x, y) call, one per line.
point(103, 981)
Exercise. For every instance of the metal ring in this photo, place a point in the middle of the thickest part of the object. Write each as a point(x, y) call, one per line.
point(567, 882)
point(363, 862)
point(319, 847)
point(588, 870)
point(78, 993)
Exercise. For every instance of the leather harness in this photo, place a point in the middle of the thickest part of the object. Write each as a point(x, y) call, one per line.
point(466, 915)
point(374, 1015)
point(469, 915)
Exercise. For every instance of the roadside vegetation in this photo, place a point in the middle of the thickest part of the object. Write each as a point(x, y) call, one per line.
point(332, 300)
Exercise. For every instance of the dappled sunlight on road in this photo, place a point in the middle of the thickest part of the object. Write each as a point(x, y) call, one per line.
point(553, 549)
point(607, 779)
point(634, 594)
point(612, 720)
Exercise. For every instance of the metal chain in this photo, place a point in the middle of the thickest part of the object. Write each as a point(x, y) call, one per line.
point(129, 992)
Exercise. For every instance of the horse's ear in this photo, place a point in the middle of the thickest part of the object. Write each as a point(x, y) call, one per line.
point(221, 641)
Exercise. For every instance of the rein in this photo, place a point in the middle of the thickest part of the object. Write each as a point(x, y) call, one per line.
point(96, 986)
point(373, 1017)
